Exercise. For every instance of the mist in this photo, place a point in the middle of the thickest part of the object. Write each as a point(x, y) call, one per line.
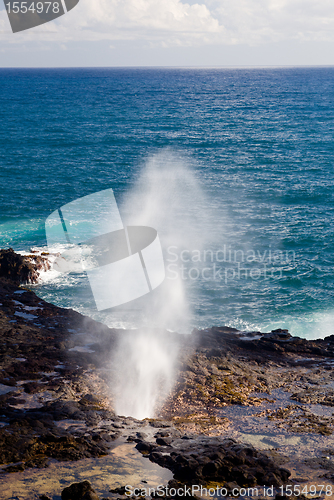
point(168, 197)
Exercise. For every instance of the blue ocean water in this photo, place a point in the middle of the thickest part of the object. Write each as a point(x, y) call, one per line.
point(259, 143)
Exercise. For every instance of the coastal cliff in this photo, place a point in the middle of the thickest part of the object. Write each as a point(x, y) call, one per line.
point(247, 408)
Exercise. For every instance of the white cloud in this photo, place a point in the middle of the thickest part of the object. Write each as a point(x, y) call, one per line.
point(165, 21)
point(167, 15)
point(260, 21)
point(173, 23)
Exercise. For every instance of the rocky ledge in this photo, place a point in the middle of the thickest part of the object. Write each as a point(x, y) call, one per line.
point(22, 268)
point(42, 385)
point(268, 390)
point(209, 459)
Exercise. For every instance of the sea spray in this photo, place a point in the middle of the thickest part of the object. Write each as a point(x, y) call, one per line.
point(168, 197)
point(145, 365)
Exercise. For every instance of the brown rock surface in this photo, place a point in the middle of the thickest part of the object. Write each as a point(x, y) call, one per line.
point(266, 389)
point(22, 269)
point(79, 491)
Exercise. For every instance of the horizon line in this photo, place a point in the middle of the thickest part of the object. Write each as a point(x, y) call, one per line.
point(255, 66)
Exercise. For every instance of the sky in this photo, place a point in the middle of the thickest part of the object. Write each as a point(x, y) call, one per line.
point(207, 33)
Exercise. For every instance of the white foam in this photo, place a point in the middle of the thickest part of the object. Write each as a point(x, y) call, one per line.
point(256, 337)
point(45, 276)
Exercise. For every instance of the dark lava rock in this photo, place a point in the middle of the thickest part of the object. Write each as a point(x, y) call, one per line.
point(144, 447)
point(21, 269)
point(164, 441)
point(160, 424)
point(32, 442)
point(34, 340)
point(33, 387)
point(207, 459)
point(274, 344)
point(141, 435)
point(79, 491)
point(15, 468)
point(35, 351)
point(168, 435)
point(89, 399)
point(64, 410)
point(121, 490)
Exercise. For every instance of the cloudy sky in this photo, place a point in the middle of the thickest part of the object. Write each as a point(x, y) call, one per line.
point(177, 33)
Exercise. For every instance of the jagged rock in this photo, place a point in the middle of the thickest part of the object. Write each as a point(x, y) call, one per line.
point(219, 367)
point(21, 269)
point(144, 447)
point(165, 441)
point(79, 491)
point(210, 459)
point(121, 490)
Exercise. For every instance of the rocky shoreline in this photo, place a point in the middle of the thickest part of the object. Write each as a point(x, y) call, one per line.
point(247, 408)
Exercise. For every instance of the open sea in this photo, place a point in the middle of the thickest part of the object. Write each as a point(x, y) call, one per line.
point(250, 154)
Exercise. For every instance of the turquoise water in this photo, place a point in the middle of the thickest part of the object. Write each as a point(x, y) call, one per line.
point(258, 142)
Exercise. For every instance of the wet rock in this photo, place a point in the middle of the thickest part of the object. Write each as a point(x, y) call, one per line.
point(79, 491)
point(21, 269)
point(160, 424)
point(119, 491)
point(64, 410)
point(170, 433)
point(32, 442)
point(206, 459)
point(89, 400)
point(15, 468)
point(33, 387)
point(278, 335)
point(219, 367)
point(166, 441)
point(141, 435)
point(315, 396)
point(145, 447)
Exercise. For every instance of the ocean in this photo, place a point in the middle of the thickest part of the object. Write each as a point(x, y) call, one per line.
point(234, 168)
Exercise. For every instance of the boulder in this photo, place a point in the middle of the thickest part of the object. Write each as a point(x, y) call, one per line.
point(79, 491)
